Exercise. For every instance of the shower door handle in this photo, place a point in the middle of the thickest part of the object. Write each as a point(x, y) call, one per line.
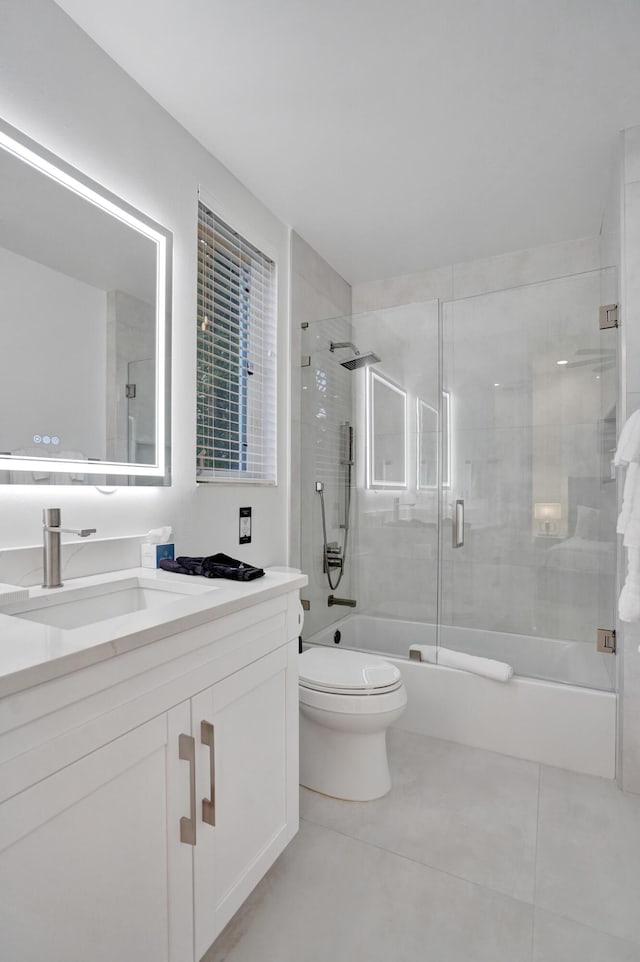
point(458, 524)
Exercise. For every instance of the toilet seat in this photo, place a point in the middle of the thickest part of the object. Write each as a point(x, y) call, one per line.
point(343, 703)
point(347, 673)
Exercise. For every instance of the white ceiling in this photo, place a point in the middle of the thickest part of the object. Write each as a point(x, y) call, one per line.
point(396, 135)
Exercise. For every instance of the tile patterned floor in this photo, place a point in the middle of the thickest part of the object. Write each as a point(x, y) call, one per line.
point(473, 857)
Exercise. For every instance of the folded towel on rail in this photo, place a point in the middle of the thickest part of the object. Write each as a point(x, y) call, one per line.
point(497, 670)
point(628, 495)
point(629, 600)
point(629, 441)
point(213, 566)
point(629, 518)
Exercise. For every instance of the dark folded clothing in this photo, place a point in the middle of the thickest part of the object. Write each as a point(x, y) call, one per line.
point(167, 565)
point(213, 566)
point(222, 566)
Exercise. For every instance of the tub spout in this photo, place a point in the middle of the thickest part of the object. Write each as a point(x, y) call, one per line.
point(348, 602)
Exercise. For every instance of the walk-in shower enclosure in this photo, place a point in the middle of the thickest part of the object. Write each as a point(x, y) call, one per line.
point(482, 508)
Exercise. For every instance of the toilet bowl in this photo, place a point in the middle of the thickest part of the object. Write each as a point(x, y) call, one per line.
point(347, 701)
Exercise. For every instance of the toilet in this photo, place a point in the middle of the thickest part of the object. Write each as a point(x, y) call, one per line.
point(348, 699)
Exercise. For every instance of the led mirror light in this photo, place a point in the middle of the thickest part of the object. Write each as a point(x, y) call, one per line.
point(13, 143)
point(386, 418)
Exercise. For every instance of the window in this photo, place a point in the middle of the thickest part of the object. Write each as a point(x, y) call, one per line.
point(236, 356)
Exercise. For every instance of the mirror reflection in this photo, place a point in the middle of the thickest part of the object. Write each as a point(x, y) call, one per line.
point(427, 445)
point(82, 317)
point(387, 432)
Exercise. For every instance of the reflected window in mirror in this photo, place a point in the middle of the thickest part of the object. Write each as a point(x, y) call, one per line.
point(84, 370)
point(386, 416)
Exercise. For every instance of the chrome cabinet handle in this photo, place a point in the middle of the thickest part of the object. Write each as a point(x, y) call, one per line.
point(458, 524)
point(207, 737)
point(187, 753)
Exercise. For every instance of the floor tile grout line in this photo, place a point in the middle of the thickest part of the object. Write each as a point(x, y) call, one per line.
point(414, 861)
point(635, 943)
point(479, 885)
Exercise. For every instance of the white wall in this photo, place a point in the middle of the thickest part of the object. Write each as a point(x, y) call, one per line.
point(63, 91)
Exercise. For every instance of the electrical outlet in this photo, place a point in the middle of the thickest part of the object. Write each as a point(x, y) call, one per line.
point(245, 526)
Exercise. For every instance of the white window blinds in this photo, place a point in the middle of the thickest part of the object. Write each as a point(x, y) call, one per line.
point(236, 356)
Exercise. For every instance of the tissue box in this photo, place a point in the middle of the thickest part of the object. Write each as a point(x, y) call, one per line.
point(152, 554)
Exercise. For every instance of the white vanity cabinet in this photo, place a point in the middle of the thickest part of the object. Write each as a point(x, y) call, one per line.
point(245, 746)
point(83, 857)
point(136, 820)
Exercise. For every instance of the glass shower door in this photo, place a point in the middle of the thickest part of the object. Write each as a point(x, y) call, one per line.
point(528, 564)
point(389, 407)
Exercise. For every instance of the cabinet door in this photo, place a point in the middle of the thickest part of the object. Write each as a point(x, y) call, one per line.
point(84, 857)
point(243, 727)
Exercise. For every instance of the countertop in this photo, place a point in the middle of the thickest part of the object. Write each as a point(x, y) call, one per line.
point(32, 653)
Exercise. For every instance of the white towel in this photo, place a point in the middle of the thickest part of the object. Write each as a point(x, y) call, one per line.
point(497, 670)
point(629, 601)
point(628, 495)
point(629, 441)
point(629, 518)
point(628, 452)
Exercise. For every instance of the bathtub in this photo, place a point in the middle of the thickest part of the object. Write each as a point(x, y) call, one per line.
point(554, 723)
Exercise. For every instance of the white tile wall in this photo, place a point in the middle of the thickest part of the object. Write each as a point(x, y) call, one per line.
point(482, 276)
point(318, 292)
point(406, 289)
point(526, 267)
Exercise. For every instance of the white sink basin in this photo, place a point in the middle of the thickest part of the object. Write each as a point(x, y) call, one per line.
point(77, 607)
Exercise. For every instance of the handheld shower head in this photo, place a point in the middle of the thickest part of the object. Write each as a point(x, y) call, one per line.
point(358, 360)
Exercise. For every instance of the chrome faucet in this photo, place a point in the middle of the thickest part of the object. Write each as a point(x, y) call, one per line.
point(51, 532)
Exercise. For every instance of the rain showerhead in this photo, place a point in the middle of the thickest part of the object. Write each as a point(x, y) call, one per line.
point(358, 360)
point(361, 360)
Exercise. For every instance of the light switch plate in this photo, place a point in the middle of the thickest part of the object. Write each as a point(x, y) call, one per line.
point(245, 526)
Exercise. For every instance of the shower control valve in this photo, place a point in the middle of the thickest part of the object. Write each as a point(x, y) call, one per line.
point(332, 556)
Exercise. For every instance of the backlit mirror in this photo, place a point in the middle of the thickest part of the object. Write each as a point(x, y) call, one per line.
point(84, 328)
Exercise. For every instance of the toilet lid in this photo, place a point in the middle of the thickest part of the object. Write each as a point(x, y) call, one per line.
point(325, 669)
